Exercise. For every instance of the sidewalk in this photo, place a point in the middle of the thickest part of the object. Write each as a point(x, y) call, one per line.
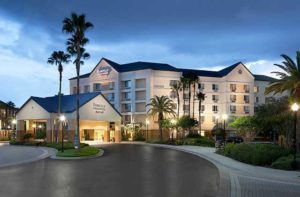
point(243, 180)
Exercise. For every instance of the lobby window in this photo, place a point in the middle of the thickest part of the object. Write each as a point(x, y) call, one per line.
point(97, 87)
point(233, 87)
point(233, 98)
point(215, 108)
point(256, 89)
point(246, 109)
point(215, 98)
point(86, 88)
point(232, 108)
point(201, 86)
point(215, 87)
point(247, 98)
point(247, 88)
point(127, 84)
point(173, 82)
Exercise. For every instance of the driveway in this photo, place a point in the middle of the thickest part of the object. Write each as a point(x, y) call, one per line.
point(12, 155)
point(124, 170)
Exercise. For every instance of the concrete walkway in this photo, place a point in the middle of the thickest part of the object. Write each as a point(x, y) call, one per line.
point(13, 155)
point(243, 180)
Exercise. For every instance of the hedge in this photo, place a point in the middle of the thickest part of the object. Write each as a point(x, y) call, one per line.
point(256, 154)
point(196, 141)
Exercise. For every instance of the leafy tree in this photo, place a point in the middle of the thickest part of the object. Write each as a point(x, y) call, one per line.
point(186, 123)
point(11, 104)
point(246, 125)
point(76, 26)
point(57, 58)
point(160, 106)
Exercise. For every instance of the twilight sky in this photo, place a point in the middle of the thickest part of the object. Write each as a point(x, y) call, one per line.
point(204, 34)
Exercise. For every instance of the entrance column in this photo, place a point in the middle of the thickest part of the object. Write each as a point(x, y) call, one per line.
point(20, 130)
point(107, 133)
point(117, 132)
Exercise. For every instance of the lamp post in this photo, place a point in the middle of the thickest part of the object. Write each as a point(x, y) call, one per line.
point(173, 122)
point(224, 117)
point(295, 108)
point(147, 123)
point(14, 122)
point(62, 119)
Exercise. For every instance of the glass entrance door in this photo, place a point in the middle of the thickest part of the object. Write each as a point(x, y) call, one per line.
point(99, 135)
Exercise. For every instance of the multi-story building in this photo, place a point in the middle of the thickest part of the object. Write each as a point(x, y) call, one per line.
point(234, 90)
point(7, 114)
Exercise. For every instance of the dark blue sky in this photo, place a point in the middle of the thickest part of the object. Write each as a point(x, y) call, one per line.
point(185, 33)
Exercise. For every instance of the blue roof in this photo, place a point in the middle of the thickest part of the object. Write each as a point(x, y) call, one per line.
point(166, 67)
point(68, 102)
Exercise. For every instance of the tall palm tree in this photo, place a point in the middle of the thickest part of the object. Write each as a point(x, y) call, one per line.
point(160, 106)
point(289, 79)
point(192, 79)
point(185, 84)
point(200, 97)
point(195, 81)
point(57, 58)
point(177, 87)
point(76, 26)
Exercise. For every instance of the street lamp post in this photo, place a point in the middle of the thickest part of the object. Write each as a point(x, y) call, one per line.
point(224, 117)
point(173, 122)
point(147, 123)
point(295, 108)
point(14, 122)
point(62, 119)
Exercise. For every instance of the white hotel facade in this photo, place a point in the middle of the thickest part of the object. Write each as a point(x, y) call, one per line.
point(234, 91)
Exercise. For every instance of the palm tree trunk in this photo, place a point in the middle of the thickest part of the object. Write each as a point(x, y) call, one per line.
point(59, 102)
point(76, 135)
point(160, 119)
point(178, 103)
point(194, 99)
point(190, 99)
point(199, 108)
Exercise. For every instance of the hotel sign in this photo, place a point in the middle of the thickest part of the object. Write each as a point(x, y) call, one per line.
point(99, 109)
point(104, 70)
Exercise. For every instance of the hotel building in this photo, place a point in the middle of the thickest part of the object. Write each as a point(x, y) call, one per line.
point(234, 90)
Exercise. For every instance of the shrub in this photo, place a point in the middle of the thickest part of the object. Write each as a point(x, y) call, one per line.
point(193, 135)
point(40, 135)
point(138, 136)
point(256, 154)
point(285, 163)
point(27, 136)
point(196, 141)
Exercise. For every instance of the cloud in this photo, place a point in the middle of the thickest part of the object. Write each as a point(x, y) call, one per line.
point(9, 32)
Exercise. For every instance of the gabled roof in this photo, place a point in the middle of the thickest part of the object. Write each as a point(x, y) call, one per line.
point(263, 78)
point(68, 102)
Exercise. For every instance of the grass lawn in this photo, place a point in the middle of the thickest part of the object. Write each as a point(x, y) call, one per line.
point(84, 151)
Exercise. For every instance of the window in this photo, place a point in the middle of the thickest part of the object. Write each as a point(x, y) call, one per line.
point(215, 98)
point(246, 109)
point(214, 119)
point(232, 98)
point(247, 88)
point(126, 96)
point(215, 87)
point(74, 90)
point(256, 89)
point(186, 107)
point(127, 107)
point(173, 94)
point(215, 108)
point(232, 108)
point(86, 88)
point(256, 99)
point(97, 86)
point(185, 96)
point(201, 86)
point(173, 82)
point(246, 98)
point(202, 108)
point(233, 87)
point(174, 105)
point(127, 84)
point(111, 97)
point(202, 119)
point(111, 85)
